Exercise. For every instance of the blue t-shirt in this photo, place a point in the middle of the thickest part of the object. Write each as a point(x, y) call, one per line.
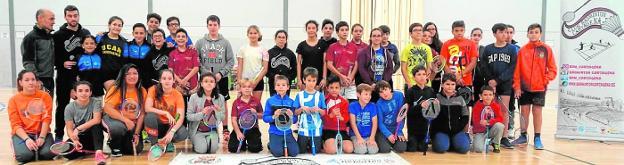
point(387, 114)
point(170, 39)
point(310, 124)
point(273, 103)
point(363, 118)
point(380, 64)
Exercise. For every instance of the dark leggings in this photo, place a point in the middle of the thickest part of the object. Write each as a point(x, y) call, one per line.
point(91, 139)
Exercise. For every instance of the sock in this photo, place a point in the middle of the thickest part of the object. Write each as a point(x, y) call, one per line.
point(537, 135)
point(523, 134)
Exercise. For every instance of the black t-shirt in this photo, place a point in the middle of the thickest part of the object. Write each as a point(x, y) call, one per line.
point(311, 56)
point(325, 43)
point(111, 51)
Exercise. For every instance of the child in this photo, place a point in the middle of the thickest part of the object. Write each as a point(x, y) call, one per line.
point(185, 63)
point(416, 123)
point(90, 66)
point(375, 63)
point(85, 132)
point(283, 61)
point(497, 65)
point(494, 124)
point(272, 108)
point(341, 61)
point(363, 119)
point(460, 55)
point(448, 127)
point(535, 68)
point(310, 106)
point(201, 104)
point(253, 61)
point(388, 106)
point(336, 118)
point(416, 53)
point(251, 138)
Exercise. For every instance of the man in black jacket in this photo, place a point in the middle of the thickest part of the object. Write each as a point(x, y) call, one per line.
point(67, 46)
point(38, 49)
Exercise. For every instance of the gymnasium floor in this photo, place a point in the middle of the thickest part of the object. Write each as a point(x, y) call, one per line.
point(558, 151)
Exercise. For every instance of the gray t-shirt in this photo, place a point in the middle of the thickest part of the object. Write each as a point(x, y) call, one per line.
point(79, 114)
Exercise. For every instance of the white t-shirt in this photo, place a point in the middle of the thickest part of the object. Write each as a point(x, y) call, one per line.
point(252, 60)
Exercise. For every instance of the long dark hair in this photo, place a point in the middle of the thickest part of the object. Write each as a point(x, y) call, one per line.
point(215, 91)
point(436, 44)
point(20, 76)
point(120, 83)
point(159, 88)
point(285, 33)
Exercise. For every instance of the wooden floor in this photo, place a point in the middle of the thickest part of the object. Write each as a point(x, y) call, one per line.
point(558, 151)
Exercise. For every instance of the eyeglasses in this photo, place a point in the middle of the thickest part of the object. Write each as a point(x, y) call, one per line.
point(174, 24)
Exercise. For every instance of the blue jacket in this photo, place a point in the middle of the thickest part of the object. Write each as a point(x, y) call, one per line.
point(387, 114)
point(273, 103)
point(132, 51)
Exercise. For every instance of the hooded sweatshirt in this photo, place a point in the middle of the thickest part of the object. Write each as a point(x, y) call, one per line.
point(111, 51)
point(453, 115)
point(387, 111)
point(498, 63)
point(157, 60)
point(366, 62)
point(535, 67)
point(135, 53)
point(274, 103)
point(476, 116)
point(282, 61)
point(67, 44)
point(38, 52)
point(215, 55)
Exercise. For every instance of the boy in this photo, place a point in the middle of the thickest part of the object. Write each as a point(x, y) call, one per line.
point(273, 107)
point(252, 142)
point(310, 106)
point(336, 119)
point(416, 123)
point(388, 106)
point(173, 24)
point(341, 61)
point(415, 54)
point(448, 127)
point(498, 63)
point(363, 119)
point(535, 68)
point(460, 55)
point(216, 55)
point(480, 125)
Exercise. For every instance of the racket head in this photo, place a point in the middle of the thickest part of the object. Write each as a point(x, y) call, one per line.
point(130, 109)
point(62, 148)
point(283, 120)
point(247, 119)
point(401, 114)
point(437, 65)
point(210, 120)
point(35, 109)
point(338, 142)
point(466, 93)
point(487, 113)
point(155, 152)
point(432, 111)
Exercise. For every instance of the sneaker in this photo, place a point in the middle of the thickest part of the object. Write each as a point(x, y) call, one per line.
point(155, 152)
point(496, 148)
point(538, 143)
point(506, 144)
point(100, 158)
point(170, 147)
point(520, 140)
point(116, 153)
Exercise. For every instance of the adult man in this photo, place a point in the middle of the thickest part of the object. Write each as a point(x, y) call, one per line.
point(38, 49)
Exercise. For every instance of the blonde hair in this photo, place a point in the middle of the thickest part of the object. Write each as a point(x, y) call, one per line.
point(255, 27)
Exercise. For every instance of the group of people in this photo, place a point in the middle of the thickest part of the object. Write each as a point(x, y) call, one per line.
point(169, 87)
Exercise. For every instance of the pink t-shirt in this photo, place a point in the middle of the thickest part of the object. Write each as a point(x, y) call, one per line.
point(343, 57)
point(183, 62)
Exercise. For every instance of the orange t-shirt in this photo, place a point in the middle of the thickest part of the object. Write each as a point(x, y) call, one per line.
point(458, 54)
point(114, 99)
point(32, 124)
point(169, 102)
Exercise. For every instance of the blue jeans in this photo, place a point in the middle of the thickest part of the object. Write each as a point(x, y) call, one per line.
point(442, 143)
point(276, 145)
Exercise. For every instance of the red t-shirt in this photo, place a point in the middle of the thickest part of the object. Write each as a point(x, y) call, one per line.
point(458, 54)
point(239, 106)
point(329, 120)
point(342, 56)
point(183, 62)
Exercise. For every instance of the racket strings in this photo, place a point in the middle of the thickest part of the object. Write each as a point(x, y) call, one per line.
point(62, 148)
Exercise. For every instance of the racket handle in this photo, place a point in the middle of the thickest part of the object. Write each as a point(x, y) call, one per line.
point(134, 151)
point(285, 151)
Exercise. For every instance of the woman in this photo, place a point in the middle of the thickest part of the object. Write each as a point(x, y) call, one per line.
point(283, 61)
point(31, 137)
point(83, 118)
point(165, 113)
point(123, 101)
point(201, 104)
point(310, 53)
point(253, 61)
point(110, 46)
point(375, 63)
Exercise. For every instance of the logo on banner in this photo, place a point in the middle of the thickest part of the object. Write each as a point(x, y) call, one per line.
point(599, 18)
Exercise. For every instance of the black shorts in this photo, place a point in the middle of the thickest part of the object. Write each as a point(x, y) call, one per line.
point(260, 86)
point(504, 88)
point(535, 98)
point(331, 134)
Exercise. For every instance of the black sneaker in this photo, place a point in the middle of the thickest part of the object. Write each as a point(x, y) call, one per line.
point(506, 144)
point(116, 153)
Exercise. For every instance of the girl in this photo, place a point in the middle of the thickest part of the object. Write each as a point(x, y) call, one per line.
point(110, 46)
point(252, 142)
point(30, 133)
point(310, 53)
point(124, 126)
point(165, 113)
point(137, 49)
point(436, 43)
point(90, 67)
point(82, 122)
point(253, 61)
point(184, 62)
point(207, 99)
point(283, 61)
point(375, 62)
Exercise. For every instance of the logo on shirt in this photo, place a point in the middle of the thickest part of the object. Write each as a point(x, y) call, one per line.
point(280, 60)
point(212, 53)
point(72, 43)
